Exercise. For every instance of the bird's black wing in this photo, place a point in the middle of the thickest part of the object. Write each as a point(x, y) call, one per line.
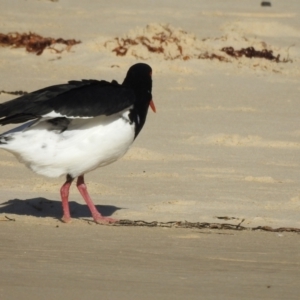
point(86, 98)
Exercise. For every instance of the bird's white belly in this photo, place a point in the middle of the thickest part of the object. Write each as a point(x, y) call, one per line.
point(84, 146)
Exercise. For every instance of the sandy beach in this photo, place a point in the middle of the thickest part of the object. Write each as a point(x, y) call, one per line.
point(223, 148)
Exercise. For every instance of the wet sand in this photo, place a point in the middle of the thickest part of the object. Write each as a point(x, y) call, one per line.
point(101, 262)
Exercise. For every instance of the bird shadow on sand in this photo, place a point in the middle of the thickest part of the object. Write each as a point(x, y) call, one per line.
point(42, 207)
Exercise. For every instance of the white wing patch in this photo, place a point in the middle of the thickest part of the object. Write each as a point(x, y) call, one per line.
point(54, 114)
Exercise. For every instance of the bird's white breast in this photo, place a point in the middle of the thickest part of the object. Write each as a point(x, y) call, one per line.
point(85, 145)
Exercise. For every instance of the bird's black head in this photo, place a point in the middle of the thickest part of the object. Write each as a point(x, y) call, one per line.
point(139, 77)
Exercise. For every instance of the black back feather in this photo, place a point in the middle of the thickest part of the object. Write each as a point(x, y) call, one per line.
point(85, 98)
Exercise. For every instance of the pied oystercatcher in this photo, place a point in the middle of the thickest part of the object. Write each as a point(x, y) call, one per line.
point(77, 127)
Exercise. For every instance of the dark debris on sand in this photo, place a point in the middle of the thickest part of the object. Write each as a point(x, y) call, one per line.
point(203, 225)
point(34, 43)
point(251, 52)
point(16, 93)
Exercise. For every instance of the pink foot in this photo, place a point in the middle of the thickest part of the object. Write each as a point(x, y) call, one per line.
point(104, 220)
point(66, 219)
point(98, 218)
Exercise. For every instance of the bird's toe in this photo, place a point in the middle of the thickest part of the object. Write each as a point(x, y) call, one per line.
point(105, 220)
point(66, 219)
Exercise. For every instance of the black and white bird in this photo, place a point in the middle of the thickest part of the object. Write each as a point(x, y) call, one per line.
point(74, 128)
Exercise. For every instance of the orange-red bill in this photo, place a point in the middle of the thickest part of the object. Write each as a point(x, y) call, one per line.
point(152, 106)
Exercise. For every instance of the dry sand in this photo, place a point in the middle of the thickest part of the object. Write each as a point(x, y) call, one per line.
point(224, 141)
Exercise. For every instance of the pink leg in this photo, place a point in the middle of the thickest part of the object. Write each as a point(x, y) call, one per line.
point(64, 193)
point(98, 218)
